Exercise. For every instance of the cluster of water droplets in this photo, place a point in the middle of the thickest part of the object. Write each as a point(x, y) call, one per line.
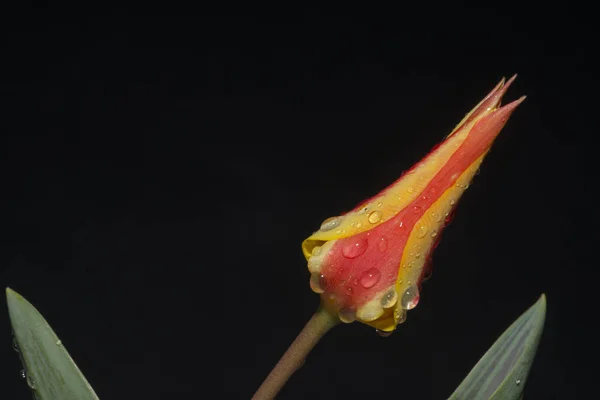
point(28, 378)
point(408, 299)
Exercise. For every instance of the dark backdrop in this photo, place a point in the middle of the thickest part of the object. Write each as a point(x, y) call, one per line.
point(159, 174)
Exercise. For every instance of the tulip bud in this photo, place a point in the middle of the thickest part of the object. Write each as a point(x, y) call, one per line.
point(368, 264)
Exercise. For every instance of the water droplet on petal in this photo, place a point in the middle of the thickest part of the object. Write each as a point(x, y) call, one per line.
point(314, 264)
point(410, 189)
point(347, 315)
point(358, 224)
point(402, 319)
point(389, 298)
point(518, 382)
point(318, 282)
point(349, 290)
point(433, 234)
point(330, 223)
point(421, 231)
point(370, 311)
point(369, 278)
point(382, 244)
point(380, 204)
point(417, 255)
point(383, 333)
point(416, 209)
point(23, 374)
point(452, 202)
point(355, 248)
point(410, 298)
point(58, 342)
point(375, 217)
point(436, 216)
point(316, 251)
point(15, 345)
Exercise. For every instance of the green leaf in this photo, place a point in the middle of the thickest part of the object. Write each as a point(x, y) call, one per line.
point(50, 371)
point(502, 371)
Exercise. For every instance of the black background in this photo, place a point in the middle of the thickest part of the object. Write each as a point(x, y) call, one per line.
point(159, 174)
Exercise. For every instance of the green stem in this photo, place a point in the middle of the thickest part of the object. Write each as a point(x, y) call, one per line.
point(318, 325)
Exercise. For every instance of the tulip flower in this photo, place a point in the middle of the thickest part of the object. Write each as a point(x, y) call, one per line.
point(369, 263)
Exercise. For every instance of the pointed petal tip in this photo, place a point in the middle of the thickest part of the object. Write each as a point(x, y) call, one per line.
point(511, 80)
point(500, 92)
point(513, 104)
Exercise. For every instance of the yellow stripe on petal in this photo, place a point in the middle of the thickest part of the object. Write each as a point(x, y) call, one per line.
point(421, 239)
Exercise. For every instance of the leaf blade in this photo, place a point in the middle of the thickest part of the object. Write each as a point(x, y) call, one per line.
point(502, 371)
point(51, 372)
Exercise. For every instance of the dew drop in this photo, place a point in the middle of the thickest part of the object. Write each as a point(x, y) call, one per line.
point(383, 333)
point(416, 209)
point(410, 298)
point(30, 382)
point(355, 248)
point(347, 315)
point(382, 244)
point(23, 374)
point(389, 298)
point(330, 223)
point(358, 224)
point(410, 189)
point(433, 234)
point(518, 382)
point(369, 278)
point(338, 232)
point(401, 319)
point(417, 255)
point(380, 204)
point(370, 312)
point(15, 345)
point(452, 202)
point(421, 231)
point(401, 224)
point(58, 342)
point(314, 264)
point(317, 282)
point(316, 251)
point(375, 217)
point(436, 216)
point(349, 290)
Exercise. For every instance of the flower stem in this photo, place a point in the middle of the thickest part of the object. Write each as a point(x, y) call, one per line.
point(318, 325)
